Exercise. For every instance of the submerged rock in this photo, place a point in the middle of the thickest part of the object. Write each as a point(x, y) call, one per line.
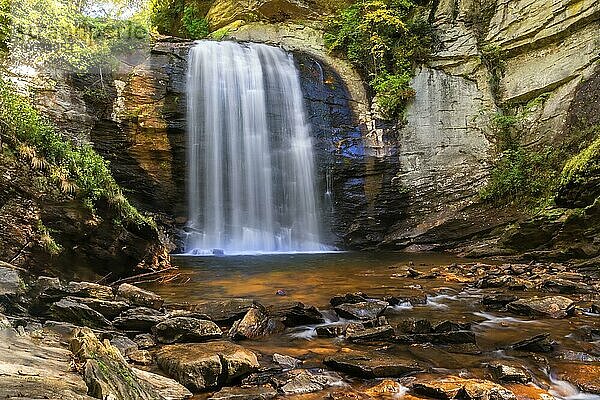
point(538, 344)
point(185, 329)
point(371, 365)
point(454, 387)
point(77, 313)
point(139, 297)
point(550, 306)
point(365, 310)
point(201, 366)
point(262, 392)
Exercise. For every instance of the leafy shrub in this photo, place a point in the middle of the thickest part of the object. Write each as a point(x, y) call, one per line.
point(493, 58)
point(194, 23)
point(385, 40)
point(72, 169)
point(165, 15)
point(56, 33)
point(520, 174)
point(583, 165)
point(180, 18)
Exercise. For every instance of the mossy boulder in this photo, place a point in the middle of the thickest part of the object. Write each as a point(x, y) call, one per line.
point(580, 178)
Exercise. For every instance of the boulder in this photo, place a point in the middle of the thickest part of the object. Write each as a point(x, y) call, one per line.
point(509, 373)
point(565, 286)
point(497, 301)
point(451, 337)
point(371, 334)
point(11, 290)
point(144, 341)
point(123, 344)
point(109, 309)
point(36, 368)
point(255, 323)
point(334, 330)
point(365, 310)
point(185, 329)
point(585, 376)
point(454, 387)
point(139, 319)
point(139, 297)
point(371, 365)
point(140, 357)
point(10, 282)
point(201, 366)
point(451, 326)
point(166, 388)
point(223, 312)
point(301, 381)
point(415, 326)
point(296, 314)
point(89, 289)
point(538, 344)
point(348, 298)
point(262, 392)
point(106, 372)
point(549, 306)
point(77, 313)
point(386, 387)
point(286, 362)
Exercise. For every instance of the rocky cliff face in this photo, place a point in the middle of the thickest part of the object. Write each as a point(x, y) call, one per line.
point(411, 187)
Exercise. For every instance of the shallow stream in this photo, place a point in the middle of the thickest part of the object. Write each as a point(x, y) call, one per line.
point(314, 279)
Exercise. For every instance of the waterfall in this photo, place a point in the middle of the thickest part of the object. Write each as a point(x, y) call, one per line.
point(251, 179)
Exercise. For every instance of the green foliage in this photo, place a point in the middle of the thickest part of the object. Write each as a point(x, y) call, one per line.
point(72, 169)
point(47, 241)
point(385, 40)
point(493, 58)
point(58, 34)
point(584, 165)
point(180, 17)
point(393, 93)
point(194, 23)
point(165, 15)
point(521, 175)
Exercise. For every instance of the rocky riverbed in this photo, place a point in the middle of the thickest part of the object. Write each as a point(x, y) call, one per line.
point(457, 330)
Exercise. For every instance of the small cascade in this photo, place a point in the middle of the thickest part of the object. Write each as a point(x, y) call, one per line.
point(251, 179)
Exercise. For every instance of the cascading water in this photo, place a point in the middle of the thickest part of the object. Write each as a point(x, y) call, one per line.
point(251, 185)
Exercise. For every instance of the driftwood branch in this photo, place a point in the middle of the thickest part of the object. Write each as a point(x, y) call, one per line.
point(135, 278)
